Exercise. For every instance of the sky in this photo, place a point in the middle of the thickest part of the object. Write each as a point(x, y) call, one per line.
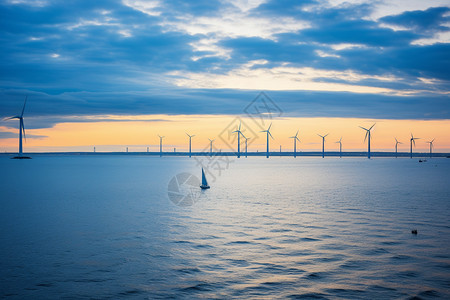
point(113, 74)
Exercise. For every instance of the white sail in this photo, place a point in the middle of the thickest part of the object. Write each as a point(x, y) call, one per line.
point(204, 182)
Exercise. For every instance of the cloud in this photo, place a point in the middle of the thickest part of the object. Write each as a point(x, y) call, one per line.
point(284, 78)
point(432, 19)
point(12, 135)
point(133, 57)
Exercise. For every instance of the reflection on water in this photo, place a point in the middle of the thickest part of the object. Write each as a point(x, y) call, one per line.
point(103, 227)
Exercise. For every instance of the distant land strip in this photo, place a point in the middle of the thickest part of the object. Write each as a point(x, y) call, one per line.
point(275, 153)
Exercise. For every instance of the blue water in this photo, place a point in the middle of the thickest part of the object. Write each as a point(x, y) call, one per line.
point(104, 227)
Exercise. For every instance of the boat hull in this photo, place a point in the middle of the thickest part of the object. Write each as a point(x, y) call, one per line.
point(204, 187)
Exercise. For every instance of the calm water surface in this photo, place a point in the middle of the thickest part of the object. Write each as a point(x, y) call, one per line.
point(103, 227)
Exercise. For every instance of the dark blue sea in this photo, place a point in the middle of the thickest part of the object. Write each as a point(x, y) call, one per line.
point(138, 227)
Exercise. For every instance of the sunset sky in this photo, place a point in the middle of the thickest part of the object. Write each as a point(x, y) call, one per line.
point(115, 74)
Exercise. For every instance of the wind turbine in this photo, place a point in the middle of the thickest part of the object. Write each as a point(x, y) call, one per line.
point(323, 143)
point(368, 140)
point(431, 147)
point(160, 145)
point(396, 143)
point(411, 142)
point(239, 132)
point(210, 146)
point(246, 139)
point(21, 130)
point(295, 143)
point(268, 133)
point(340, 147)
point(190, 137)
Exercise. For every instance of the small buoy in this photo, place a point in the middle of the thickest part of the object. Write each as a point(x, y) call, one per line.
point(414, 231)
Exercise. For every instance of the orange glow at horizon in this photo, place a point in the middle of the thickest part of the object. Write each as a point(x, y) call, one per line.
point(115, 135)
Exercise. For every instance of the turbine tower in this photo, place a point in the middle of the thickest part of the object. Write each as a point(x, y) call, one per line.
point(239, 132)
point(268, 133)
point(210, 146)
point(190, 138)
point(160, 145)
point(21, 130)
point(411, 142)
point(396, 144)
point(431, 147)
point(340, 147)
point(323, 143)
point(295, 143)
point(368, 140)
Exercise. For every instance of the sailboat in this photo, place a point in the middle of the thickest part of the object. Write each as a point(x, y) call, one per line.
point(204, 185)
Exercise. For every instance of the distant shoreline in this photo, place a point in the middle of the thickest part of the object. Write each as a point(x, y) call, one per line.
point(277, 154)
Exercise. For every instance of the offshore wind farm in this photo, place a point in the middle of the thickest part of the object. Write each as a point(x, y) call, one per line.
point(224, 149)
point(229, 152)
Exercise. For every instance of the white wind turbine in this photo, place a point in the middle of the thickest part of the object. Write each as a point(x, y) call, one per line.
point(210, 146)
point(239, 132)
point(246, 139)
point(431, 147)
point(396, 146)
point(268, 133)
point(340, 147)
point(21, 130)
point(190, 138)
point(160, 145)
point(323, 143)
point(368, 139)
point(411, 142)
point(295, 143)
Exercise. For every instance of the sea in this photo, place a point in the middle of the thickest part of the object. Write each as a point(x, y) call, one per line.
point(139, 227)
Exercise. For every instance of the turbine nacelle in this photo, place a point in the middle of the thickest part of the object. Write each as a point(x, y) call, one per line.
point(295, 137)
point(323, 136)
point(413, 139)
point(367, 131)
point(268, 131)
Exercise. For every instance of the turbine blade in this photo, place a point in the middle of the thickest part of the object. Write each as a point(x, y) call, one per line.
point(365, 137)
point(296, 134)
point(414, 142)
point(239, 126)
point(10, 118)
point(297, 139)
point(326, 135)
point(269, 127)
point(23, 109)
point(372, 126)
point(363, 128)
